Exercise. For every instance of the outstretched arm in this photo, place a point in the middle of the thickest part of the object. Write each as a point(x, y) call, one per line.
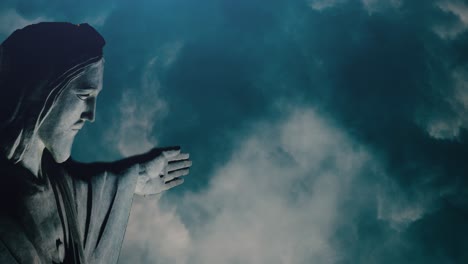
point(158, 170)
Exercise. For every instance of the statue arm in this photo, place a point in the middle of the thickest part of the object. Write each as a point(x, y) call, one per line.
point(155, 171)
point(103, 193)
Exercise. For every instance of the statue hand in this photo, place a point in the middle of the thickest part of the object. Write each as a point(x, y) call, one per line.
point(162, 171)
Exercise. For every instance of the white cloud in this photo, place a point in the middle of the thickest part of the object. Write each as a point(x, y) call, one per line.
point(154, 235)
point(320, 5)
point(448, 126)
point(460, 10)
point(371, 6)
point(98, 20)
point(10, 21)
point(397, 209)
point(139, 111)
point(142, 107)
point(444, 128)
point(279, 199)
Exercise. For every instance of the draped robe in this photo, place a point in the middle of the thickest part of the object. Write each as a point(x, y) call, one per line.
point(72, 213)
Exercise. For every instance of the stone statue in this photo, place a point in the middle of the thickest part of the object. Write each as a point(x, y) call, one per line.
point(52, 208)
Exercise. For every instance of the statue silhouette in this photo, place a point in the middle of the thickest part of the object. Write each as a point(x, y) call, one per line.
point(54, 209)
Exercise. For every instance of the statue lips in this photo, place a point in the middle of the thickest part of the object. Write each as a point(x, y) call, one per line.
point(78, 125)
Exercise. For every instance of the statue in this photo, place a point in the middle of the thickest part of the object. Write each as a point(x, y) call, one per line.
point(52, 208)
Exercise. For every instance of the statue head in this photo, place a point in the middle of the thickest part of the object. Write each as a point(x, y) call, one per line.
point(75, 105)
point(50, 75)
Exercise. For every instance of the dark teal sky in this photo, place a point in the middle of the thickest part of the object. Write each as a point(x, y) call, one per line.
point(321, 131)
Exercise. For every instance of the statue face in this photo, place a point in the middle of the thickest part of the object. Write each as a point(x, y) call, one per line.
point(75, 105)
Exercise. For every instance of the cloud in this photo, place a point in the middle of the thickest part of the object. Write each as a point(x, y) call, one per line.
point(299, 186)
point(449, 121)
point(397, 209)
point(98, 20)
point(154, 235)
point(18, 14)
point(452, 28)
point(448, 117)
point(285, 182)
point(142, 107)
point(280, 198)
point(371, 6)
point(320, 5)
point(10, 21)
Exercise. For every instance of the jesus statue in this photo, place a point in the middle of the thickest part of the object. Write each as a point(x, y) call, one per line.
point(54, 209)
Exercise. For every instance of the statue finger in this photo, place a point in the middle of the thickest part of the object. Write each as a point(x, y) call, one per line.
point(177, 165)
point(180, 156)
point(175, 174)
point(175, 182)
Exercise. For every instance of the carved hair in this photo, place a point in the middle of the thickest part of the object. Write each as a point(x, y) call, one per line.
point(36, 64)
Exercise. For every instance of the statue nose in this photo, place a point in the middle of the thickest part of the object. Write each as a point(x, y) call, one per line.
point(89, 116)
point(90, 112)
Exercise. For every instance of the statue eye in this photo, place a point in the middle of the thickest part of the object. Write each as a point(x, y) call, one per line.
point(83, 96)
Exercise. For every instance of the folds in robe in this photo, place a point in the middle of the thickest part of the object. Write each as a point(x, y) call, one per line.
point(75, 213)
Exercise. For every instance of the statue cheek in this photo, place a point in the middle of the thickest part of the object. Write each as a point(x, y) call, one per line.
point(74, 109)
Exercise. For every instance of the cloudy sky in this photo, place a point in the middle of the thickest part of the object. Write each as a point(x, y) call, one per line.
point(321, 131)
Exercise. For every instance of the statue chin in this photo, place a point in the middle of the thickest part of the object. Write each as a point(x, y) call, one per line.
point(60, 156)
point(60, 153)
point(59, 145)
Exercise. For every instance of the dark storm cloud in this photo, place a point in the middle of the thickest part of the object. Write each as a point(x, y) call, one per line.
point(392, 75)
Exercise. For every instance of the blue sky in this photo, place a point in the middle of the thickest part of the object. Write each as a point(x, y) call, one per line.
point(321, 131)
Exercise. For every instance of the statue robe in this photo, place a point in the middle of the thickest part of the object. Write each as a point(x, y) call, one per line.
point(73, 213)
